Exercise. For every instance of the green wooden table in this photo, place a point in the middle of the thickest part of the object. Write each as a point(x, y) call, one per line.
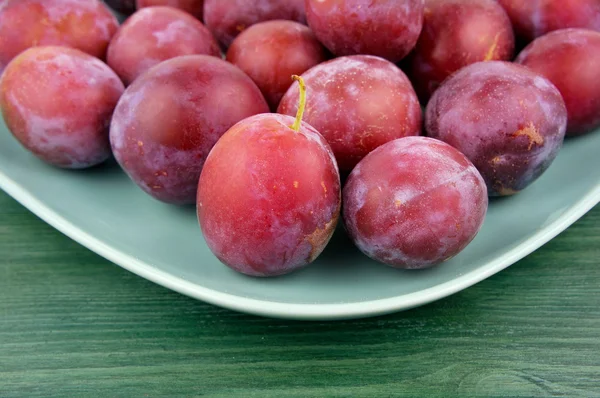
point(73, 324)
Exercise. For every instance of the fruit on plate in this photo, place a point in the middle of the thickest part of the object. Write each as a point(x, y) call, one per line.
point(85, 25)
point(457, 33)
point(386, 28)
point(271, 52)
point(194, 7)
point(269, 195)
point(227, 19)
point(169, 118)
point(414, 203)
point(570, 59)
point(155, 34)
point(509, 121)
point(58, 102)
point(357, 103)
point(532, 19)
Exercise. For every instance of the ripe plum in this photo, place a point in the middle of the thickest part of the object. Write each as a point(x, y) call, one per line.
point(67, 126)
point(570, 59)
point(509, 121)
point(271, 52)
point(414, 202)
point(269, 195)
point(386, 28)
point(227, 19)
point(357, 103)
point(170, 117)
point(85, 25)
point(155, 34)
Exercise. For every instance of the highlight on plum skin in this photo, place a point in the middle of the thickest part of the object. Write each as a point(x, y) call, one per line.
point(457, 33)
point(268, 196)
point(570, 59)
point(414, 203)
point(271, 52)
point(67, 126)
point(357, 103)
point(168, 119)
point(227, 19)
point(155, 34)
point(85, 25)
point(386, 28)
point(509, 121)
point(194, 7)
point(532, 19)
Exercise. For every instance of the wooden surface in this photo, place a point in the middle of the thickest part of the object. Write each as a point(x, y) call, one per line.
point(73, 324)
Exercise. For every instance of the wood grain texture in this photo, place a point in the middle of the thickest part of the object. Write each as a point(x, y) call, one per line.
point(73, 324)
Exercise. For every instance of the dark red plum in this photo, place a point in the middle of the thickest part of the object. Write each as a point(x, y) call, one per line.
point(357, 103)
point(509, 121)
point(457, 33)
point(85, 25)
point(271, 52)
point(155, 34)
point(269, 196)
point(385, 28)
point(227, 19)
point(194, 7)
point(58, 102)
point(570, 59)
point(532, 19)
point(170, 117)
point(414, 203)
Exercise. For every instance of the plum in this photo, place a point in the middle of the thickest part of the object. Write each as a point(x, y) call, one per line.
point(194, 7)
point(227, 19)
point(85, 25)
point(386, 28)
point(509, 121)
point(570, 59)
point(457, 33)
point(532, 19)
point(155, 34)
point(414, 202)
point(271, 52)
point(123, 6)
point(269, 195)
point(357, 103)
point(67, 126)
point(168, 119)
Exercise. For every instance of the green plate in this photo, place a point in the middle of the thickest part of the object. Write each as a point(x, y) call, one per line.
point(104, 211)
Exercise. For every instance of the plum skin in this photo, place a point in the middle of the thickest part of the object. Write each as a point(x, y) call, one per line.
point(414, 202)
point(85, 25)
point(268, 196)
point(67, 126)
point(509, 121)
point(570, 59)
point(168, 119)
point(155, 34)
point(194, 7)
point(227, 19)
point(271, 52)
point(357, 103)
point(457, 33)
point(386, 28)
point(532, 19)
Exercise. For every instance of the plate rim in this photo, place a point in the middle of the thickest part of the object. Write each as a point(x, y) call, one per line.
point(299, 311)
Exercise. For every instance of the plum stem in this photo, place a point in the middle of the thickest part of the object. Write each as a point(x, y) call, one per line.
point(302, 105)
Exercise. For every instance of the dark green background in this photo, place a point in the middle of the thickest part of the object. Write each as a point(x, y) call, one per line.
point(73, 324)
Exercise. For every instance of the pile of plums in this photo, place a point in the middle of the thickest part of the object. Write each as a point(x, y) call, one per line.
point(279, 118)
